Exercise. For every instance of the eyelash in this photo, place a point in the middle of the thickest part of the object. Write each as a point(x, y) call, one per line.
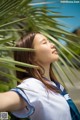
point(45, 42)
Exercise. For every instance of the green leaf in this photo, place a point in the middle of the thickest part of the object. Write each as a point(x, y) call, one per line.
point(4, 60)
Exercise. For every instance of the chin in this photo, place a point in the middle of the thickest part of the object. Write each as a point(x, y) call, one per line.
point(56, 58)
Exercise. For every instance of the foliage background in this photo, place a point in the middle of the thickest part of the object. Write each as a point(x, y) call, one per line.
point(20, 17)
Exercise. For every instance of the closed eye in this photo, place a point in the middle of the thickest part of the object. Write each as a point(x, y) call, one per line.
point(44, 42)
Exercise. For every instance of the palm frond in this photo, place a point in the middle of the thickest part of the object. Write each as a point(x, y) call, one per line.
point(20, 17)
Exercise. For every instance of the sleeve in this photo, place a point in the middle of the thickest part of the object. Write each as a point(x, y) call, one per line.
point(28, 110)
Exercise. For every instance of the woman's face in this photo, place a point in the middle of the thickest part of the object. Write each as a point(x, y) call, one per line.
point(46, 52)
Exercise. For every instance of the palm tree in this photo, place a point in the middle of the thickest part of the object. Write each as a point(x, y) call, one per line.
point(18, 17)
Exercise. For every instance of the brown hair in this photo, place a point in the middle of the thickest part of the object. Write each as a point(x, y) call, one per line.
point(28, 57)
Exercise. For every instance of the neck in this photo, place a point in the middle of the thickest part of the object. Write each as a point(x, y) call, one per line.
point(47, 74)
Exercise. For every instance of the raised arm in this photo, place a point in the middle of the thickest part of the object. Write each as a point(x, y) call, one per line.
point(11, 101)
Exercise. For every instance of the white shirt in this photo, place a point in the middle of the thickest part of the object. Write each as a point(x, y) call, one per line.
point(47, 105)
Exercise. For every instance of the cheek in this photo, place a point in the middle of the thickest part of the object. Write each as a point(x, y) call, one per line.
point(43, 55)
point(43, 52)
point(46, 56)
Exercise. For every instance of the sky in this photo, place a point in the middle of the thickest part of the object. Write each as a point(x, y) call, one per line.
point(67, 8)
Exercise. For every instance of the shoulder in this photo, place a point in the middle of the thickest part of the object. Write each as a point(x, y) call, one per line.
point(32, 84)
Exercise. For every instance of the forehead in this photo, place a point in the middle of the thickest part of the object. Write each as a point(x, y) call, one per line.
point(38, 38)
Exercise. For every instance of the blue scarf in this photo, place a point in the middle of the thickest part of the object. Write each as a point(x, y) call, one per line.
point(75, 114)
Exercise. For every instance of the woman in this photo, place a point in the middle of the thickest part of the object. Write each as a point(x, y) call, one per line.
point(39, 96)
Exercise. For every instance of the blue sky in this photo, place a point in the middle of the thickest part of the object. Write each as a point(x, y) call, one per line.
point(66, 9)
point(69, 9)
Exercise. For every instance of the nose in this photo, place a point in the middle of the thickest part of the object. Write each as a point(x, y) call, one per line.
point(52, 45)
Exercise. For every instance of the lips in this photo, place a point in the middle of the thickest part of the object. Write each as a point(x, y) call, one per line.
point(55, 51)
